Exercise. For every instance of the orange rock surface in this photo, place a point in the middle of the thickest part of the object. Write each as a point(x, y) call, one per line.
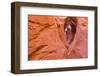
point(47, 38)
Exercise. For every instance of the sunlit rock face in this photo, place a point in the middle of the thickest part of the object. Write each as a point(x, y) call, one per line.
point(48, 38)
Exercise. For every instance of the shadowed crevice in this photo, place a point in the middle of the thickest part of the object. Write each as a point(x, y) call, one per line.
point(70, 29)
point(36, 50)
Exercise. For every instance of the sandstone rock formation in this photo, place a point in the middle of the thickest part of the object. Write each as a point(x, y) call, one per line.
point(47, 38)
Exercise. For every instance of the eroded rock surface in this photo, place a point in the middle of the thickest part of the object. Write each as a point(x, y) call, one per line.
point(47, 38)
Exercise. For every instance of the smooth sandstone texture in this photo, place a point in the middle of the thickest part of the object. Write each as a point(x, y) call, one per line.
point(47, 38)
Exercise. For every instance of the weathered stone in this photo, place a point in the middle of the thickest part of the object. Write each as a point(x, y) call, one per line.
point(47, 38)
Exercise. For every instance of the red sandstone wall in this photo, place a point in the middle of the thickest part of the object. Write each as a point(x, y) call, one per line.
point(46, 38)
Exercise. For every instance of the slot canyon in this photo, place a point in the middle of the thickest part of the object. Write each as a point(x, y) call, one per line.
point(57, 37)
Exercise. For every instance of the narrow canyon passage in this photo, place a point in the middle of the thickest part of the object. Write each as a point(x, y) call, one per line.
point(70, 28)
point(55, 37)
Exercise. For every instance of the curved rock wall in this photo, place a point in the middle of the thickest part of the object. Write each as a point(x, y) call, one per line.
point(47, 38)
